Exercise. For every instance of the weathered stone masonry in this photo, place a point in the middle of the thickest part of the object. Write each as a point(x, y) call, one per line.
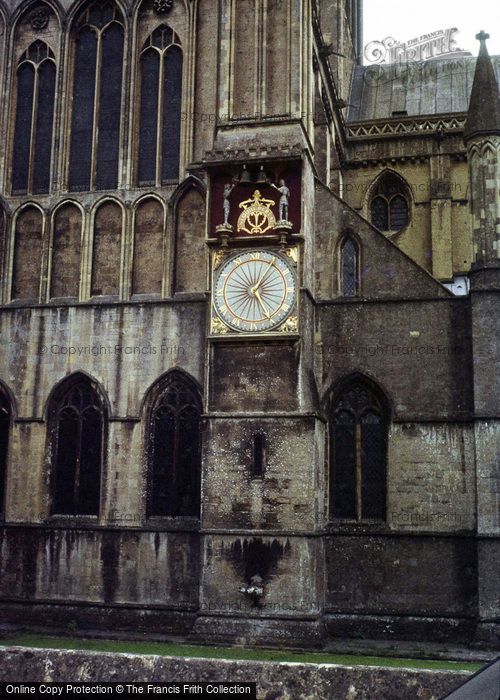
point(106, 302)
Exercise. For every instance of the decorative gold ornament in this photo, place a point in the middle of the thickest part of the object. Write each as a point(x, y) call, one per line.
point(293, 253)
point(218, 327)
point(291, 325)
point(256, 216)
point(218, 257)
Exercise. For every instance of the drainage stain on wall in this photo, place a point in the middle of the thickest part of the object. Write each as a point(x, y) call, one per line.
point(257, 558)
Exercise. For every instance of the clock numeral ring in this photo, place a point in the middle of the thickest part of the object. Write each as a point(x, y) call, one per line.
point(254, 291)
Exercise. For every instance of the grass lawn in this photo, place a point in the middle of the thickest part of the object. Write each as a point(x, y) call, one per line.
point(160, 649)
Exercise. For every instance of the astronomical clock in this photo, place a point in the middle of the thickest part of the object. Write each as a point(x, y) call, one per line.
point(255, 262)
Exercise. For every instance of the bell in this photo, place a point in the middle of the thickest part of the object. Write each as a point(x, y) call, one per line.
point(245, 177)
point(261, 177)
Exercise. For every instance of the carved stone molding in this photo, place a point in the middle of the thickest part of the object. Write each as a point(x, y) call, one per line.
point(39, 18)
point(401, 128)
point(161, 7)
point(484, 146)
point(252, 154)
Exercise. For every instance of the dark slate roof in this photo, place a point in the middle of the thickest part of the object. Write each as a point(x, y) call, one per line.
point(440, 86)
point(484, 111)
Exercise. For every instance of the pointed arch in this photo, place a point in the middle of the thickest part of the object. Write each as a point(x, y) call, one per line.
point(149, 246)
point(99, 41)
point(67, 230)
point(59, 387)
point(482, 149)
point(34, 119)
point(358, 415)
point(160, 80)
point(190, 257)
point(76, 445)
point(349, 266)
point(108, 226)
point(173, 447)
point(67, 202)
point(29, 223)
point(30, 9)
point(6, 413)
point(189, 183)
point(148, 195)
point(389, 202)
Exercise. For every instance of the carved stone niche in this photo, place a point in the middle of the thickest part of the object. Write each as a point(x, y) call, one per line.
point(161, 7)
point(39, 18)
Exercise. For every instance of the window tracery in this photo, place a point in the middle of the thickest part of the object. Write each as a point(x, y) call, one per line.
point(97, 98)
point(32, 151)
point(349, 268)
point(77, 429)
point(358, 454)
point(175, 450)
point(389, 204)
point(160, 108)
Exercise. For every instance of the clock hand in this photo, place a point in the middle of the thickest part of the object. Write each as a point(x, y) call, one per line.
point(259, 299)
point(263, 275)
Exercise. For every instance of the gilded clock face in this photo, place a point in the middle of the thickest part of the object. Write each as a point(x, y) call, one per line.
point(255, 291)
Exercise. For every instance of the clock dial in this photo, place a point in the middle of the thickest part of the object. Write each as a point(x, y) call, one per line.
point(255, 291)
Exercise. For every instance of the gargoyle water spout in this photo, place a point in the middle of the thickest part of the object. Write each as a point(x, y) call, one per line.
point(255, 590)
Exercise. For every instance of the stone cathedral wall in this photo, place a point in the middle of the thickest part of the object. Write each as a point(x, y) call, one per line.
point(112, 286)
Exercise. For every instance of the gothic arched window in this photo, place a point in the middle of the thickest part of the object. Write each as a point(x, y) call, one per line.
point(36, 82)
point(398, 213)
point(77, 433)
point(389, 208)
point(358, 454)
point(380, 213)
point(349, 268)
point(97, 96)
point(4, 445)
point(160, 108)
point(174, 452)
